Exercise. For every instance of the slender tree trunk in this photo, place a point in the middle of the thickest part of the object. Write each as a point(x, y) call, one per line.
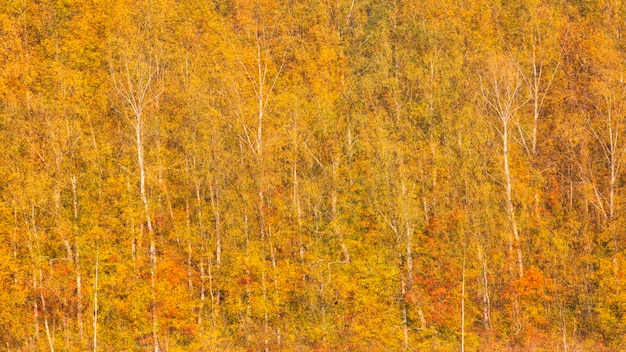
point(139, 92)
point(142, 171)
point(79, 294)
point(613, 161)
point(463, 301)
point(297, 205)
point(247, 271)
point(405, 317)
point(79, 285)
point(215, 300)
point(36, 312)
point(215, 203)
point(516, 244)
point(503, 97)
point(189, 270)
point(333, 203)
point(262, 75)
point(95, 302)
point(146, 209)
point(535, 91)
point(408, 229)
point(486, 297)
point(563, 327)
point(48, 334)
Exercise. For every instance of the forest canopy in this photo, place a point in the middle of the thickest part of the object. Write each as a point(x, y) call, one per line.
point(351, 175)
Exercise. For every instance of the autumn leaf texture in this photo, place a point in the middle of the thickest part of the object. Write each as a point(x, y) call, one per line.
point(350, 175)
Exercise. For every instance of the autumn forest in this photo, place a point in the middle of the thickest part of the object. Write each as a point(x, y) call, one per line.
point(347, 175)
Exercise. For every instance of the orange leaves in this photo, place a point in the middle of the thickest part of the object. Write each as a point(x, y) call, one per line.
point(435, 290)
point(528, 300)
point(534, 285)
point(173, 272)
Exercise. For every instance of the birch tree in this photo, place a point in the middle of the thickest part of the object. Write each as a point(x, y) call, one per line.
point(139, 81)
point(502, 93)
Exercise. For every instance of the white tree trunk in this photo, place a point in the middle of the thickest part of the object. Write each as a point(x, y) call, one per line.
point(516, 245)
